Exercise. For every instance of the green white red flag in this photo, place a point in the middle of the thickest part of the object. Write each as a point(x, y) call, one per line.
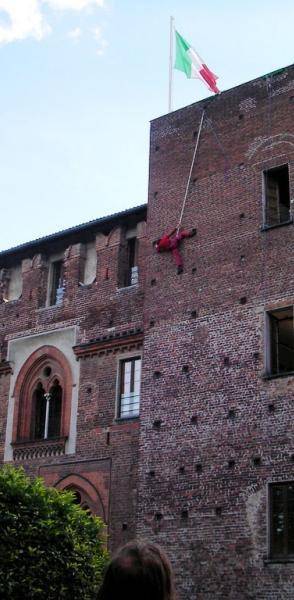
point(188, 61)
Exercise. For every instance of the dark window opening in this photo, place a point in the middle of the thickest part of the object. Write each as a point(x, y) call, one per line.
point(128, 263)
point(39, 413)
point(281, 341)
point(47, 371)
point(57, 289)
point(132, 262)
point(81, 499)
point(77, 498)
point(54, 419)
point(282, 520)
point(277, 195)
point(46, 412)
point(129, 391)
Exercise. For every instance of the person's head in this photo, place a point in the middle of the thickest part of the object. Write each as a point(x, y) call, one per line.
point(138, 571)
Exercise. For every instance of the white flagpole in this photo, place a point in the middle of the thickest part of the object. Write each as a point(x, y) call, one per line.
point(171, 44)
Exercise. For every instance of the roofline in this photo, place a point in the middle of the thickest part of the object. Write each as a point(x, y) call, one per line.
point(214, 97)
point(72, 230)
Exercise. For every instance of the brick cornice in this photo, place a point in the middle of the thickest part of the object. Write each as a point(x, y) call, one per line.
point(5, 368)
point(127, 340)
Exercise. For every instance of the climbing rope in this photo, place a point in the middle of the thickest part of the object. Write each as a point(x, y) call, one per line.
point(220, 145)
point(221, 148)
point(191, 169)
point(268, 79)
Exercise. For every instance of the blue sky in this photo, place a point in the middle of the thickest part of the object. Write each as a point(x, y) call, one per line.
point(81, 79)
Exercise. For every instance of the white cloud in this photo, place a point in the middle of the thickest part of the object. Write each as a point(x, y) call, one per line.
point(102, 43)
point(73, 4)
point(26, 20)
point(75, 34)
point(97, 33)
point(102, 47)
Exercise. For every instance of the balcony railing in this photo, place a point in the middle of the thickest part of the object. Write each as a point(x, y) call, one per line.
point(32, 449)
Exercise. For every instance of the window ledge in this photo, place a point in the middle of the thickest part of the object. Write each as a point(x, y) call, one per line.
point(273, 561)
point(266, 227)
point(268, 376)
point(11, 302)
point(87, 286)
point(31, 449)
point(127, 419)
point(127, 287)
point(49, 307)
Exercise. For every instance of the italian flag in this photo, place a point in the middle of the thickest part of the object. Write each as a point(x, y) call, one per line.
point(189, 61)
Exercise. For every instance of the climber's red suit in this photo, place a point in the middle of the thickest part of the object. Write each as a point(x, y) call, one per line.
point(171, 242)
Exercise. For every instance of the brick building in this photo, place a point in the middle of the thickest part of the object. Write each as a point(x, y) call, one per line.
point(71, 320)
point(195, 449)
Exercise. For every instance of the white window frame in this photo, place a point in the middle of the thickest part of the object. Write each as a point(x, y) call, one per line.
point(53, 259)
point(120, 361)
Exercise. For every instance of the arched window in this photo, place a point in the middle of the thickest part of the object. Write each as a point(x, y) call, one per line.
point(54, 417)
point(46, 409)
point(43, 397)
point(38, 413)
point(82, 499)
point(86, 492)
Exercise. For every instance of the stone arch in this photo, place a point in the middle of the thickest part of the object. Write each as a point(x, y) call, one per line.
point(32, 373)
point(88, 491)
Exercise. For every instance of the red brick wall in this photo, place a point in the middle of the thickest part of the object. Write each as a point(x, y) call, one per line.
point(217, 547)
point(203, 351)
point(106, 449)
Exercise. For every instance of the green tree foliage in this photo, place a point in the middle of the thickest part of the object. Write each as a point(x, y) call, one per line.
point(49, 547)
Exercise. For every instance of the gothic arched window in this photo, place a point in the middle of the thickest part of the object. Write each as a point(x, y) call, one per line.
point(43, 397)
point(38, 413)
point(85, 491)
point(55, 406)
point(81, 498)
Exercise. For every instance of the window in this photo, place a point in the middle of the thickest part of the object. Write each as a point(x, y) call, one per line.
point(132, 268)
point(89, 266)
point(128, 272)
point(81, 499)
point(42, 398)
point(13, 284)
point(56, 286)
point(129, 388)
point(281, 341)
point(281, 498)
point(277, 196)
point(46, 412)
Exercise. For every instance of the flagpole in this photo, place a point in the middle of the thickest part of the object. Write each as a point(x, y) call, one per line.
point(170, 86)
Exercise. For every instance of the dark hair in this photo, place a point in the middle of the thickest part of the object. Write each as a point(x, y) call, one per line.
point(138, 571)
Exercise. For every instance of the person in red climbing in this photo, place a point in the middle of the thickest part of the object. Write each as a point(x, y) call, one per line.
point(171, 241)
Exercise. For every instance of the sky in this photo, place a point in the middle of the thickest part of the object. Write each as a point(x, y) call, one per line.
point(80, 82)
